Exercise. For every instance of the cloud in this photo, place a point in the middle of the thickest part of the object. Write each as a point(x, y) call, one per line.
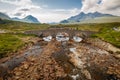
point(25, 9)
point(18, 14)
point(103, 6)
point(22, 7)
point(42, 12)
point(54, 15)
point(16, 2)
point(25, 3)
point(113, 4)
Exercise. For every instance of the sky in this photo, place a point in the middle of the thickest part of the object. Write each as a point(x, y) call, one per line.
point(47, 11)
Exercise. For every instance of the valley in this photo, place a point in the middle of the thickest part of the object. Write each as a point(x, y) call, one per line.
point(59, 40)
point(62, 52)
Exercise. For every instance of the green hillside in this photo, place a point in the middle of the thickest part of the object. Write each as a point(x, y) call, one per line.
point(12, 37)
point(16, 26)
point(102, 20)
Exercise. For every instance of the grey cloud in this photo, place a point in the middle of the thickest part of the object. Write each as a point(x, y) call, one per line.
point(18, 14)
point(25, 9)
point(113, 7)
point(104, 6)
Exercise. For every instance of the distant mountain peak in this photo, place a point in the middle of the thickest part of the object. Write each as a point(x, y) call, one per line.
point(4, 16)
point(29, 16)
point(82, 13)
point(85, 16)
point(28, 19)
point(96, 12)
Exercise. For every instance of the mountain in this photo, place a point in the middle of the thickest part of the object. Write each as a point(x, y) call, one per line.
point(64, 21)
point(82, 17)
point(16, 19)
point(102, 20)
point(4, 16)
point(28, 19)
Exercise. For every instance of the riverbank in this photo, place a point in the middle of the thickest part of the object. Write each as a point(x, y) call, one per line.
point(11, 43)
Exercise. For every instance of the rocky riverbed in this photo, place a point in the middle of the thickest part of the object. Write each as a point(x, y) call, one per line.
point(68, 55)
point(91, 59)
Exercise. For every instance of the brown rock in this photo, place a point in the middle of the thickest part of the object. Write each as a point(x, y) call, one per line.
point(26, 66)
point(87, 74)
point(18, 73)
point(117, 56)
point(17, 77)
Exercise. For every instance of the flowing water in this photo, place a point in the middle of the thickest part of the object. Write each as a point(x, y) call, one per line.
point(17, 60)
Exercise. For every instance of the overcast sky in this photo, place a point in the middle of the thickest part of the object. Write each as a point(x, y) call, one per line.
point(57, 10)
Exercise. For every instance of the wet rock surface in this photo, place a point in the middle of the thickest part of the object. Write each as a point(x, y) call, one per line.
point(91, 59)
point(42, 68)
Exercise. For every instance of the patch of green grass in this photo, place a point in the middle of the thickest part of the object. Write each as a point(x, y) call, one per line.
point(110, 35)
point(9, 43)
point(14, 39)
point(22, 35)
point(89, 26)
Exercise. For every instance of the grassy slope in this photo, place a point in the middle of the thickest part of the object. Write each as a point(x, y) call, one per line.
point(102, 20)
point(105, 32)
point(21, 26)
point(110, 35)
point(11, 42)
